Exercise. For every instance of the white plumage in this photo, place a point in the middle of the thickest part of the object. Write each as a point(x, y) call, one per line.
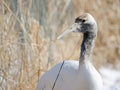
point(76, 75)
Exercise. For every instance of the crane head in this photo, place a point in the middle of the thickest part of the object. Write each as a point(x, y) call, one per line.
point(84, 23)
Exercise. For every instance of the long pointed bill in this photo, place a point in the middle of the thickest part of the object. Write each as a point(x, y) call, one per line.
point(73, 28)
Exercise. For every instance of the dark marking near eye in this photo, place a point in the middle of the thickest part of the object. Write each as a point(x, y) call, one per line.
point(77, 20)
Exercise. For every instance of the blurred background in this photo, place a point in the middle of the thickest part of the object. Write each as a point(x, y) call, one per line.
point(28, 45)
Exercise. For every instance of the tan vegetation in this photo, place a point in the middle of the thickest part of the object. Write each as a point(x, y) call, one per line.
point(28, 45)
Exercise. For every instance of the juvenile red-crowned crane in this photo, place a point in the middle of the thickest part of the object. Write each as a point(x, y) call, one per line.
point(72, 74)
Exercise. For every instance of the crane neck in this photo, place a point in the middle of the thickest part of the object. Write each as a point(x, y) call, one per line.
point(87, 46)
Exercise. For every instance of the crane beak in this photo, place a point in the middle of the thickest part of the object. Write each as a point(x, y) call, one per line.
point(74, 28)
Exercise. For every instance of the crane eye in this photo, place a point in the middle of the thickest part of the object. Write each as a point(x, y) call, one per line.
point(83, 20)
